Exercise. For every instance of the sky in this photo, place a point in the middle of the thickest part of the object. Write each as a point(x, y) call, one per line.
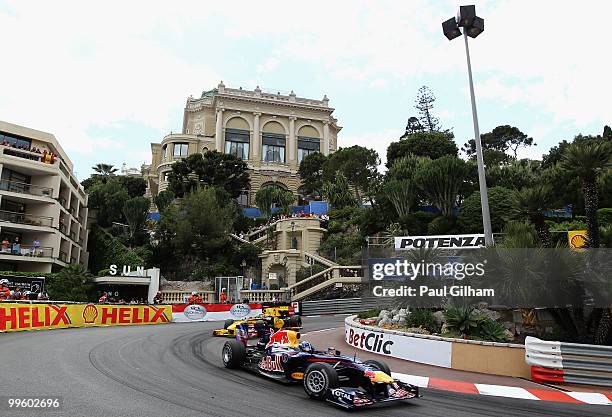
point(108, 78)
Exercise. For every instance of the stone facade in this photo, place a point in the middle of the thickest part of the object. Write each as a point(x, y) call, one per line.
point(274, 131)
point(295, 239)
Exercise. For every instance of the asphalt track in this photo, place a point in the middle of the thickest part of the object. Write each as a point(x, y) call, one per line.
point(176, 370)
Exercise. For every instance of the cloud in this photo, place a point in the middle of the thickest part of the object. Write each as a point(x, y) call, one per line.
point(68, 66)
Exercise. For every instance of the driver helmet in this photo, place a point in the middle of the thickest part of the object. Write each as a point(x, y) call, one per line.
point(306, 346)
point(331, 350)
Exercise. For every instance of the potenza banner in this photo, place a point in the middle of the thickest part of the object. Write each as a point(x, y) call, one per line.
point(441, 242)
point(185, 313)
point(16, 317)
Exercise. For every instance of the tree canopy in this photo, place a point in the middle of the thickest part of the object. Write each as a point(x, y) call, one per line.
point(496, 143)
point(311, 173)
point(212, 168)
point(432, 145)
point(358, 164)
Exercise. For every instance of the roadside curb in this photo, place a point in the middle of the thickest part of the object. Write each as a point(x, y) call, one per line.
point(593, 398)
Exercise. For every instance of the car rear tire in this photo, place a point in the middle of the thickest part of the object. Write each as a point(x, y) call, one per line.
point(233, 354)
point(318, 378)
point(295, 321)
point(228, 323)
point(380, 365)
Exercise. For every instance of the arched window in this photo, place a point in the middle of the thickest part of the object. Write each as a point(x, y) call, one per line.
point(237, 136)
point(308, 142)
point(273, 142)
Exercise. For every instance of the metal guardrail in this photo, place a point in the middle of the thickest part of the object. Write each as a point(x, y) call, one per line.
point(575, 363)
point(338, 306)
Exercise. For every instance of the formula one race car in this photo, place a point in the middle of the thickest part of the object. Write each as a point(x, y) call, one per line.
point(275, 316)
point(326, 375)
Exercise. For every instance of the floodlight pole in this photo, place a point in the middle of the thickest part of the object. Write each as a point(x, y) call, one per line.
point(482, 180)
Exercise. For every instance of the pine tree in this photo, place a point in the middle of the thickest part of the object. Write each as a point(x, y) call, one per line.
point(424, 104)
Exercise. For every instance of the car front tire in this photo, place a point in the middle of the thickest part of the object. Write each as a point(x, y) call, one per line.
point(233, 354)
point(318, 378)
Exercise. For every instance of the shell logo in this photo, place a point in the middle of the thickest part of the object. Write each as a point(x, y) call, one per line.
point(578, 239)
point(90, 313)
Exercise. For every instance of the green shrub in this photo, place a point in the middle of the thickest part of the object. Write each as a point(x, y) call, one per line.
point(462, 319)
point(604, 216)
point(374, 312)
point(490, 330)
point(424, 318)
point(416, 223)
point(441, 225)
point(470, 213)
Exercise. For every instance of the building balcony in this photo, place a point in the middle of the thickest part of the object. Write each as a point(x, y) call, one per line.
point(27, 219)
point(28, 252)
point(32, 156)
point(25, 188)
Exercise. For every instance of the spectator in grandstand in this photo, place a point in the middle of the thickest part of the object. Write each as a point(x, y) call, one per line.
point(158, 299)
point(17, 294)
point(103, 298)
point(195, 298)
point(43, 296)
point(5, 292)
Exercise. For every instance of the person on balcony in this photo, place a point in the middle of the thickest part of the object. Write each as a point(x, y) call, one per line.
point(223, 296)
point(16, 246)
point(6, 245)
point(36, 247)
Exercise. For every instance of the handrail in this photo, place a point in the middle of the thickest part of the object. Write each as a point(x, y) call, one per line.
point(25, 188)
point(320, 259)
point(23, 218)
point(29, 250)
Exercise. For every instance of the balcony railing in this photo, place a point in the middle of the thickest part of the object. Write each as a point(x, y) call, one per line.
point(29, 251)
point(25, 188)
point(33, 156)
point(23, 218)
point(73, 236)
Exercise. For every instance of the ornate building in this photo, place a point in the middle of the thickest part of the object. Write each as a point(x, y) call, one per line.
point(271, 132)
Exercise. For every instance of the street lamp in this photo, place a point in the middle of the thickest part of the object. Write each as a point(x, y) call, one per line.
point(472, 26)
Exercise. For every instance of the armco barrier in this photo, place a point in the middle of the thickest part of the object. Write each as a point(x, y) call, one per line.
point(39, 316)
point(558, 362)
point(467, 355)
point(337, 306)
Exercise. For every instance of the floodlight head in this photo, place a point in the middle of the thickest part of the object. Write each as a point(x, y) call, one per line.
point(466, 16)
point(477, 27)
point(450, 29)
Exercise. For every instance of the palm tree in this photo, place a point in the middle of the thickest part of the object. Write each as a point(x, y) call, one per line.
point(440, 181)
point(105, 170)
point(530, 203)
point(587, 161)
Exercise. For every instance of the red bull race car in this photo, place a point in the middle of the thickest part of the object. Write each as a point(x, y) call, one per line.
point(325, 375)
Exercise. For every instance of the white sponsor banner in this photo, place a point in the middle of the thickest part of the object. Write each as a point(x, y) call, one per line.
point(416, 349)
point(185, 313)
point(440, 241)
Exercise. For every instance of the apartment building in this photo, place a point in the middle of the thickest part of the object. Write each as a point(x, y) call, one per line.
point(272, 132)
point(43, 208)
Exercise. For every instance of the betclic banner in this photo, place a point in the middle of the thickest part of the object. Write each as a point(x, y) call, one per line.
point(21, 316)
